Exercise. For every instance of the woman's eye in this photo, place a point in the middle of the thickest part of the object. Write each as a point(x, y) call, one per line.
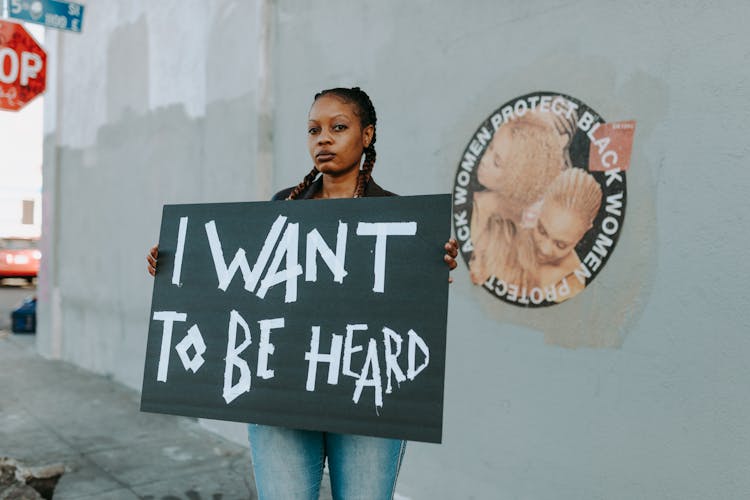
point(339, 127)
point(312, 130)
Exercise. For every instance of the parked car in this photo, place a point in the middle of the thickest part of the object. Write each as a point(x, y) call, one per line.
point(19, 258)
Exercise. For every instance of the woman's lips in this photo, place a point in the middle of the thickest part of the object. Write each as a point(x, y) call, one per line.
point(325, 156)
point(544, 258)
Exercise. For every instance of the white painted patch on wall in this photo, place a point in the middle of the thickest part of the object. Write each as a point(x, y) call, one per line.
point(175, 453)
point(177, 78)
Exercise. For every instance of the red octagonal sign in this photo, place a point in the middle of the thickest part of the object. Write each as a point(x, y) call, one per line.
point(23, 67)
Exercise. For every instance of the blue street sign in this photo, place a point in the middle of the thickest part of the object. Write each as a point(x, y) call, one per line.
point(50, 13)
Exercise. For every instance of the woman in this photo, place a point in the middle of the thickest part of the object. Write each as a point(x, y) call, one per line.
point(288, 463)
point(525, 155)
point(544, 255)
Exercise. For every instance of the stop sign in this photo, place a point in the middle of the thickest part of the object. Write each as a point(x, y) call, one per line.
point(23, 66)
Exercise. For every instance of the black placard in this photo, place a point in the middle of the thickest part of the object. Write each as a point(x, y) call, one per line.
point(230, 268)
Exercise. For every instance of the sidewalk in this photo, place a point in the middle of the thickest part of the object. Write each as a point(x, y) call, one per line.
point(55, 413)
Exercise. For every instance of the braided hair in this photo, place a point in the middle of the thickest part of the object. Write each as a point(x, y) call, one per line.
point(364, 109)
point(574, 189)
point(577, 190)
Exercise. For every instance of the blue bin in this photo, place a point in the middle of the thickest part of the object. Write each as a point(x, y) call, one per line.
point(23, 319)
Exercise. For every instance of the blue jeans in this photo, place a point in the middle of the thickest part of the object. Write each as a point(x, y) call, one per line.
point(288, 464)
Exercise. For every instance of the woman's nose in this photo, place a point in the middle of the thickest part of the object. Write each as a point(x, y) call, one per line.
point(324, 137)
point(546, 248)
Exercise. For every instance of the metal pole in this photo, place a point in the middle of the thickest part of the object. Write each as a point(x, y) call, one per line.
point(265, 20)
point(56, 306)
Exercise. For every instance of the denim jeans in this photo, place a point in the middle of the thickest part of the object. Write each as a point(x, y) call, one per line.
point(288, 464)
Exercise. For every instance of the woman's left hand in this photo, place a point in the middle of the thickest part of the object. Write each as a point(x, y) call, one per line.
point(451, 251)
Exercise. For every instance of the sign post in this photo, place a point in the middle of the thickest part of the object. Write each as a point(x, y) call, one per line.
point(23, 67)
point(50, 13)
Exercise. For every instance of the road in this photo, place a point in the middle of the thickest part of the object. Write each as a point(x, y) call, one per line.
point(12, 293)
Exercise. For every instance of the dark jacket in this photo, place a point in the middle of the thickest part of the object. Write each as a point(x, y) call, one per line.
point(372, 189)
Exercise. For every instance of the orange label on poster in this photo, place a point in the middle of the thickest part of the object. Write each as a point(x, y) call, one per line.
point(611, 146)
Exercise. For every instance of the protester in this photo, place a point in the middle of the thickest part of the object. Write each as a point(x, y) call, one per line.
point(288, 463)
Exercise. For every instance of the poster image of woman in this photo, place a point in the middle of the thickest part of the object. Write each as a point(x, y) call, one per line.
point(544, 255)
point(523, 158)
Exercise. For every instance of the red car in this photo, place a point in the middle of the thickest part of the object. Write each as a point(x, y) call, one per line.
point(19, 258)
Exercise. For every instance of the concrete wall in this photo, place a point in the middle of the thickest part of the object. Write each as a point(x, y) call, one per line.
point(155, 103)
point(643, 395)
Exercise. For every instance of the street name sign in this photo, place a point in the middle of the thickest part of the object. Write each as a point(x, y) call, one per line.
point(51, 13)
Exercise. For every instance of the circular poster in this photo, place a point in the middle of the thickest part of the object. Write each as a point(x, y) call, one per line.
point(539, 198)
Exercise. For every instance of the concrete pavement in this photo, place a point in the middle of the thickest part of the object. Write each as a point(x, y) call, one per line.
point(52, 413)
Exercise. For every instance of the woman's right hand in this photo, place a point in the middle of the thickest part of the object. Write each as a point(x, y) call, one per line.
point(151, 257)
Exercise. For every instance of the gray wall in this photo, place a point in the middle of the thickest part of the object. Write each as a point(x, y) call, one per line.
point(637, 388)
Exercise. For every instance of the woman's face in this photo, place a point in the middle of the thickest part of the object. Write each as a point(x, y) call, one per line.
point(335, 138)
point(558, 230)
point(492, 172)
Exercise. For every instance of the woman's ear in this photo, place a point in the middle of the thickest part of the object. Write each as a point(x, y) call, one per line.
point(367, 134)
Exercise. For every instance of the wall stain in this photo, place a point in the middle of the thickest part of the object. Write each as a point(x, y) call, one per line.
point(603, 314)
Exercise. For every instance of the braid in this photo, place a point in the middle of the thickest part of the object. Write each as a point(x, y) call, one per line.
point(366, 173)
point(577, 190)
point(306, 182)
point(365, 110)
